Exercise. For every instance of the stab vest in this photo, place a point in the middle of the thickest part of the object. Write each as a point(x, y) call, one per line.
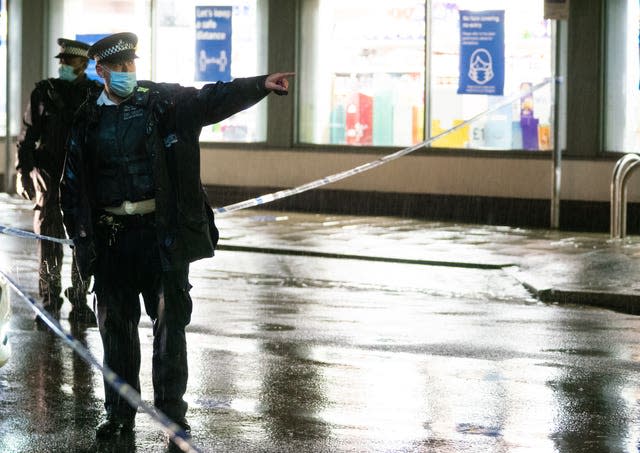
point(121, 165)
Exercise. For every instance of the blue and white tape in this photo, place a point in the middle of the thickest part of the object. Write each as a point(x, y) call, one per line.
point(117, 383)
point(30, 235)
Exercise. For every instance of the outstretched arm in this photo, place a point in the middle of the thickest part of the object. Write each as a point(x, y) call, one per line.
point(218, 101)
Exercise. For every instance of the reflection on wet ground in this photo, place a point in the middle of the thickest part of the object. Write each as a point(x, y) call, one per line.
point(292, 353)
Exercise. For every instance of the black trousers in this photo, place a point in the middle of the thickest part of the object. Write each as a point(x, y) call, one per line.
point(127, 266)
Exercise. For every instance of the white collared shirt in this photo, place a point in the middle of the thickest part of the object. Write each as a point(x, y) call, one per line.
point(104, 99)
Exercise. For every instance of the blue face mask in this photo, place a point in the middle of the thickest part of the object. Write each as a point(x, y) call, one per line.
point(67, 73)
point(122, 83)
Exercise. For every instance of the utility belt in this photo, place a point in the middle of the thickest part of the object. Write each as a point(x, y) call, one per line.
point(109, 226)
point(128, 214)
point(132, 208)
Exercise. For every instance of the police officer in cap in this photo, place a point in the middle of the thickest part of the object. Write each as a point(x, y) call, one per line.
point(138, 215)
point(40, 160)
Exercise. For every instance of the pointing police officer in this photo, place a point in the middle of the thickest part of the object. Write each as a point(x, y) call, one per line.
point(136, 210)
point(40, 160)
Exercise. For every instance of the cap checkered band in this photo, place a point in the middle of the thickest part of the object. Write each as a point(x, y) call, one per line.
point(120, 46)
point(70, 50)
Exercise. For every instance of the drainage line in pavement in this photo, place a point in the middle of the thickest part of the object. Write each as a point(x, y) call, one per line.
point(621, 302)
point(116, 382)
point(315, 254)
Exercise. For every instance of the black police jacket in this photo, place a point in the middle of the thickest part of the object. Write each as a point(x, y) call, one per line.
point(46, 123)
point(185, 225)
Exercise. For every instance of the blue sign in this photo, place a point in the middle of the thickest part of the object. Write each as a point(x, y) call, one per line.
point(481, 53)
point(91, 39)
point(213, 43)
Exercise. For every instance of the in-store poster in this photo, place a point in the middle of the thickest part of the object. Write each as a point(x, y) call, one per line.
point(481, 52)
point(213, 43)
point(91, 39)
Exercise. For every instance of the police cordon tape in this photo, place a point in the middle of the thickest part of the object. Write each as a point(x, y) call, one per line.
point(30, 235)
point(268, 198)
point(173, 430)
point(125, 390)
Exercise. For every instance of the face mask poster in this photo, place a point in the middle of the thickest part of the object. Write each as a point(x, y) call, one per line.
point(213, 43)
point(481, 53)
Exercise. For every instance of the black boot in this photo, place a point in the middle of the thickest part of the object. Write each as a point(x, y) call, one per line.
point(184, 433)
point(185, 430)
point(80, 313)
point(115, 426)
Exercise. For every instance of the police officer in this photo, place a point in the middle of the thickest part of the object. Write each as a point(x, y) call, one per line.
point(40, 160)
point(138, 214)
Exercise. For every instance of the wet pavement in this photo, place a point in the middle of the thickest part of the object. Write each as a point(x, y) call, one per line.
point(324, 333)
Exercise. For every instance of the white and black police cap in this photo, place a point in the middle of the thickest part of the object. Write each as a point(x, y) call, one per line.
point(71, 48)
point(113, 48)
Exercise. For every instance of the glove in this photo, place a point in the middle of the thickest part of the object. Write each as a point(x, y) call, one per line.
point(84, 251)
point(25, 187)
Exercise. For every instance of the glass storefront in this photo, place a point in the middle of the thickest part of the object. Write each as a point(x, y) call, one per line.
point(365, 85)
point(622, 80)
point(362, 72)
point(167, 35)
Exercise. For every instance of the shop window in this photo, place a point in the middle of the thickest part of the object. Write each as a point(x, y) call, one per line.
point(362, 75)
point(238, 48)
point(622, 69)
point(362, 72)
point(526, 123)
